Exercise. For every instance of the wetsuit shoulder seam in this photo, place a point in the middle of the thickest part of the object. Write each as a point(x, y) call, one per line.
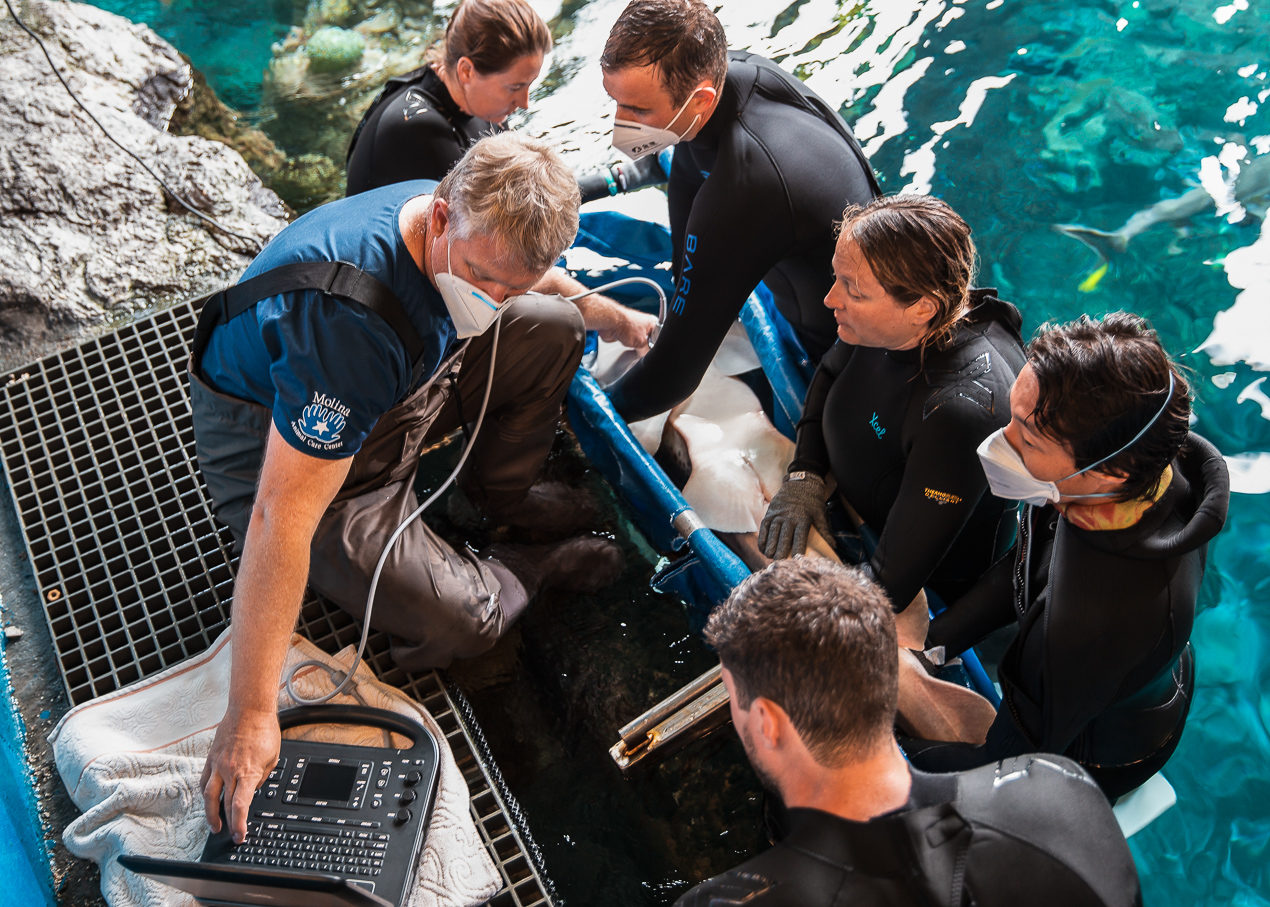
point(771, 159)
point(1018, 838)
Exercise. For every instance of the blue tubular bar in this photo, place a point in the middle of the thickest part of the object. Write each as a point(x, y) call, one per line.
point(789, 389)
point(657, 503)
point(979, 678)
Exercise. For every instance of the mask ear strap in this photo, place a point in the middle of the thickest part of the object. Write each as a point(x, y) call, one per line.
point(1168, 398)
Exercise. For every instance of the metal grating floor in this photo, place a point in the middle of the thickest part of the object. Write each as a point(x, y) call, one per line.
point(134, 575)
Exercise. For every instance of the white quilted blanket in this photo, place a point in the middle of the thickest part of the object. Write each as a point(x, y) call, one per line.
point(132, 761)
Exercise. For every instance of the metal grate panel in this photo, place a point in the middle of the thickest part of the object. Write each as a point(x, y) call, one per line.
point(134, 573)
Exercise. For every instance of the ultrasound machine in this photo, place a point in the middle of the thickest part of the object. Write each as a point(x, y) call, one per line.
point(334, 825)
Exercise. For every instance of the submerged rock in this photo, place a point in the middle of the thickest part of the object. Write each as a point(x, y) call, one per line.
point(203, 114)
point(333, 49)
point(86, 235)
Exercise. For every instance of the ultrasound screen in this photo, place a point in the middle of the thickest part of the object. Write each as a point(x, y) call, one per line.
point(324, 781)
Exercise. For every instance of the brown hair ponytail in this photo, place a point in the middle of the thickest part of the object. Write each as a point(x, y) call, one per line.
point(493, 34)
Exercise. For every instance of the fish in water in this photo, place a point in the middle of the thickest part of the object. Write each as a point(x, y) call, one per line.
point(1251, 189)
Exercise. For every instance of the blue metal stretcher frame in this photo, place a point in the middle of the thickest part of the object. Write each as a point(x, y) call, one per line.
point(708, 574)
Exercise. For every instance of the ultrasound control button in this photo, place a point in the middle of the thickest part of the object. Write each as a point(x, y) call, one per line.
point(412, 778)
point(408, 796)
point(403, 816)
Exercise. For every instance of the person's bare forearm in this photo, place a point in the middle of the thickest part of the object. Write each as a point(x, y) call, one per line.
point(267, 596)
point(613, 320)
point(292, 495)
point(557, 281)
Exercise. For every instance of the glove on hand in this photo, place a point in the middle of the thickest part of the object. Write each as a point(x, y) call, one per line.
point(799, 505)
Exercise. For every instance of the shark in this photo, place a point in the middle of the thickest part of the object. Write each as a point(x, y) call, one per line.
point(1251, 190)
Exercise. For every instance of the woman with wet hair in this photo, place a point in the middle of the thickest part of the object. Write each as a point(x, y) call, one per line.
point(919, 377)
point(476, 76)
point(1122, 500)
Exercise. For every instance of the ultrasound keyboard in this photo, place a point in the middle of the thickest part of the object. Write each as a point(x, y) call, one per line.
point(293, 845)
point(358, 812)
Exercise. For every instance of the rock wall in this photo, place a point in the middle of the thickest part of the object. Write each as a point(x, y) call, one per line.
point(86, 235)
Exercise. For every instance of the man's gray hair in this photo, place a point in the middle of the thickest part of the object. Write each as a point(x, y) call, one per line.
point(519, 191)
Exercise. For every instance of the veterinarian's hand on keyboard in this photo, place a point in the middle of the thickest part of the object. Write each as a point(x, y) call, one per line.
point(799, 505)
point(244, 752)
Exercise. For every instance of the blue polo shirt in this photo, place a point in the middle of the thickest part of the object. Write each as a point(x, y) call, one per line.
point(329, 368)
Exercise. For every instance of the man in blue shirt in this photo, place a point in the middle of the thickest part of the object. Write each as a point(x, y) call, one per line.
point(311, 411)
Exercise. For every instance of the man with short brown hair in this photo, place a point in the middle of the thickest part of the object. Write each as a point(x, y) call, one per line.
point(762, 171)
point(808, 652)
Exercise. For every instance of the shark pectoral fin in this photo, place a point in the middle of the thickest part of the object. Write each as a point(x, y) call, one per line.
point(818, 546)
point(934, 709)
point(1105, 245)
point(745, 546)
point(648, 432)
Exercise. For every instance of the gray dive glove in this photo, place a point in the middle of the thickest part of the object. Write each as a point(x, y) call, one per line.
point(799, 505)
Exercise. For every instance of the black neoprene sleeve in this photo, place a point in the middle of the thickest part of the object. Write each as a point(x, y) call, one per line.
point(943, 481)
point(811, 453)
point(405, 148)
point(987, 607)
point(728, 244)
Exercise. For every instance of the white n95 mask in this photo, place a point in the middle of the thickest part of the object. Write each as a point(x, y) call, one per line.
point(1009, 477)
point(635, 140)
point(471, 309)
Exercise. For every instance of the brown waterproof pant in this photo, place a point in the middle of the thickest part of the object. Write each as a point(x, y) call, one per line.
point(438, 603)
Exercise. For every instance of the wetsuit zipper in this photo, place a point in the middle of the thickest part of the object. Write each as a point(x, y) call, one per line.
point(1023, 566)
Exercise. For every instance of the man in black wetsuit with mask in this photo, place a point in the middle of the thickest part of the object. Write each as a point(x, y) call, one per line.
point(808, 652)
point(762, 170)
point(1123, 501)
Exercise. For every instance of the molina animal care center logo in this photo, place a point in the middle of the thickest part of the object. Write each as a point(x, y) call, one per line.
point(321, 422)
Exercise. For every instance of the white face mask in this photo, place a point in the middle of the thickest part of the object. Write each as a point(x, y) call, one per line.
point(470, 308)
point(1009, 477)
point(635, 140)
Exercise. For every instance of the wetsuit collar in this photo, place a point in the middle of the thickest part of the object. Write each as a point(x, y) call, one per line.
point(736, 89)
point(1198, 495)
point(446, 105)
point(882, 845)
point(1102, 516)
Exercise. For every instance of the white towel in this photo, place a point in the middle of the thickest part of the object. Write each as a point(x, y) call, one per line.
point(132, 760)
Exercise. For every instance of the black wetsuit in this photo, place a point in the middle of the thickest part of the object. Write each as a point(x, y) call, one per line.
point(413, 130)
point(900, 439)
point(1032, 831)
point(753, 197)
point(1100, 669)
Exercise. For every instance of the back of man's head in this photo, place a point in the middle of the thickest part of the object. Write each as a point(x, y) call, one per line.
point(817, 639)
point(518, 190)
point(682, 38)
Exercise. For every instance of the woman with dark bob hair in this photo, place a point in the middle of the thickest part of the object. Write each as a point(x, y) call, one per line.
point(475, 77)
point(920, 375)
point(1122, 500)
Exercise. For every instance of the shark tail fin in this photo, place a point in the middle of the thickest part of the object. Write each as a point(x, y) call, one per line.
point(1105, 245)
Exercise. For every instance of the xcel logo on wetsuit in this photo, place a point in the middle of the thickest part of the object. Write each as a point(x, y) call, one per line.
point(878, 429)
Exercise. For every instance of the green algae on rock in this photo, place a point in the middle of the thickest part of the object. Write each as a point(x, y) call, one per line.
point(309, 180)
point(332, 49)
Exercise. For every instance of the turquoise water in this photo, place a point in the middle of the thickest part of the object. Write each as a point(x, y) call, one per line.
point(1023, 115)
point(23, 858)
